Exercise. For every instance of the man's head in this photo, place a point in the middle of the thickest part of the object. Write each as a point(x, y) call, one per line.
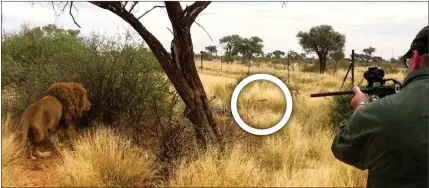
point(418, 53)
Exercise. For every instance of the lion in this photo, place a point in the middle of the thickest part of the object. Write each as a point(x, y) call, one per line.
point(63, 102)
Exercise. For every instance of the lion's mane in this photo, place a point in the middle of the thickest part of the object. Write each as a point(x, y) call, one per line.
point(73, 97)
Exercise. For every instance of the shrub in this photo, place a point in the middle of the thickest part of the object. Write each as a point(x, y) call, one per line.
point(121, 79)
point(228, 59)
point(342, 109)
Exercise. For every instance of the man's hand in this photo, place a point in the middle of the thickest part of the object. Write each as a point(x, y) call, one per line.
point(358, 98)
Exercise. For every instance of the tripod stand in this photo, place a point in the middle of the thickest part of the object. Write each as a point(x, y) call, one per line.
point(351, 67)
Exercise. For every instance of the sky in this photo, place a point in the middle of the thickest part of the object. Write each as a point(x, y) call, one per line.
point(387, 26)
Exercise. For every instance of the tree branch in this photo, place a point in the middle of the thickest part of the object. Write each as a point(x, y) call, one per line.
point(132, 6)
point(148, 37)
point(70, 11)
point(204, 30)
point(284, 4)
point(174, 12)
point(64, 8)
point(170, 31)
point(191, 12)
point(154, 7)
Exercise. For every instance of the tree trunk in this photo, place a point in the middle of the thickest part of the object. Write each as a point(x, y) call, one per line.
point(248, 68)
point(201, 61)
point(322, 63)
point(335, 67)
point(180, 66)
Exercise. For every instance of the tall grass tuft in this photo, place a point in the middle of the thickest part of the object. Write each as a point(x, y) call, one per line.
point(104, 158)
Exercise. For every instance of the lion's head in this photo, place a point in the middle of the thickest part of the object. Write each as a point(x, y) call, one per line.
point(73, 97)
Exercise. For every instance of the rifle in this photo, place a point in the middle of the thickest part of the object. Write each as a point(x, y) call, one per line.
point(372, 75)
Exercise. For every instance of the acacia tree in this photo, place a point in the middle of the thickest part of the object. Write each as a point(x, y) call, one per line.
point(293, 55)
point(179, 65)
point(248, 47)
point(228, 43)
point(322, 40)
point(368, 51)
point(278, 54)
point(377, 59)
point(211, 50)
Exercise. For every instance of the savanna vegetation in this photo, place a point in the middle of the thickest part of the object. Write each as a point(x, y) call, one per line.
point(140, 130)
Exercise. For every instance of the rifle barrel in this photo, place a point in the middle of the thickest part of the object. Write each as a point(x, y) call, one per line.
point(364, 90)
point(331, 93)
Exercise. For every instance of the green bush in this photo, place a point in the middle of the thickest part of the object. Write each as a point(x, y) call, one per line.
point(121, 79)
point(342, 109)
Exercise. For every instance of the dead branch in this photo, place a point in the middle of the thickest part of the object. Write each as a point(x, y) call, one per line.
point(154, 7)
point(64, 8)
point(70, 11)
point(203, 14)
point(53, 8)
point(204, 30)
point(132, 6)
point(284, 4)
point(170, 31)
point(148, 37)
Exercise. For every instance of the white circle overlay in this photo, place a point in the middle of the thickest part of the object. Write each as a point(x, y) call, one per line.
point(281, 123)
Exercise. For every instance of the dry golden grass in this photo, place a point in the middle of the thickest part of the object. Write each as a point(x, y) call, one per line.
point(12, 155)
point(297, 155)
point(105, 158)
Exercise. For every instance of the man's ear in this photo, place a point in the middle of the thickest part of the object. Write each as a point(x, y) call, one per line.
point(425, 59)
point(417, 61)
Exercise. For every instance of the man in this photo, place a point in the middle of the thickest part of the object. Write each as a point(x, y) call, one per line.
point(389, 136)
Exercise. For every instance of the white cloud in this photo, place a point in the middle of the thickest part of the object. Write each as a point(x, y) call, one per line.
point(387, 26)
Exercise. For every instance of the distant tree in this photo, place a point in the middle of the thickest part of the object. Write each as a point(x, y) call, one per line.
point(322, 40)
point(248, 47)
point(229, 42)
point(337, 56)
point(211, 50)
point(292, 55)
point(303, 56)
point(393, 60)
point(269, 55)
point(204, 54)
point(278, 54)
point(377, 59)
point(359, 57)
point(368, 51)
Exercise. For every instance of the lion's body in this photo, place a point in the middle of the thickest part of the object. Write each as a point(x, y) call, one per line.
point(38, 120)
point(64, 101)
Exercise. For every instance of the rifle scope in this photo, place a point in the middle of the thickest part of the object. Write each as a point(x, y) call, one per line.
point(373, 74)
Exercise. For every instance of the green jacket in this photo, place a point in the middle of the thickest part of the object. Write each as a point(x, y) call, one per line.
point(389, 136)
